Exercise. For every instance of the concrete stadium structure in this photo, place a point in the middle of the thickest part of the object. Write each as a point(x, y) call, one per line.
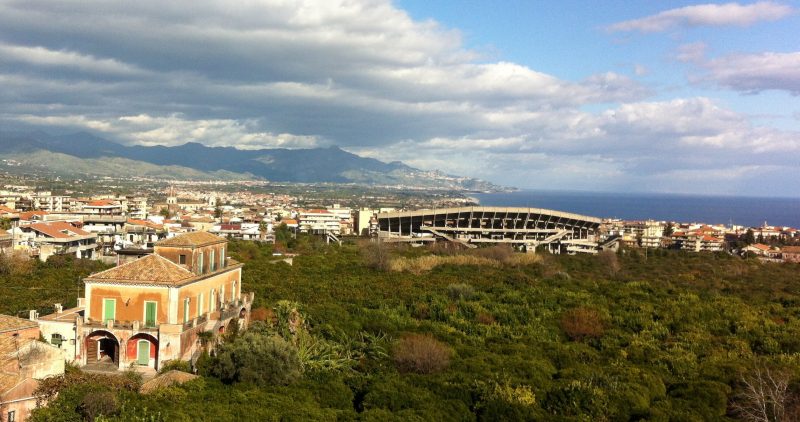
point(524, 228)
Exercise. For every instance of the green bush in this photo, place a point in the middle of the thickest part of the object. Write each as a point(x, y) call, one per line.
point(460, 291)
point(257, 358)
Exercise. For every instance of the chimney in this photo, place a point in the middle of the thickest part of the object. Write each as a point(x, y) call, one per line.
point(59, 308)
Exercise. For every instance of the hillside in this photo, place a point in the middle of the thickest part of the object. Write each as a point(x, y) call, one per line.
point(612, 337)
point(331, 165)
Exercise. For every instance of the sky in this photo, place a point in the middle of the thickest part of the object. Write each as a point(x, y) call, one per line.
point(619, 96)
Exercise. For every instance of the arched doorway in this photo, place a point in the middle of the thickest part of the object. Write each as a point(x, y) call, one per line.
point(142, 350)
point(102, 349)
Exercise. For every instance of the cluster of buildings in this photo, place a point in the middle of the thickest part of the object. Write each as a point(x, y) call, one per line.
point(114, 227)
point(137, 315)
point(763, 241)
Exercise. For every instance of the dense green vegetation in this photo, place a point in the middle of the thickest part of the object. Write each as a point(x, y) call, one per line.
point(667, 336)
point(31, 284)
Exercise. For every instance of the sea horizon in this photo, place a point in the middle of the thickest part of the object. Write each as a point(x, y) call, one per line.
point(752, 211)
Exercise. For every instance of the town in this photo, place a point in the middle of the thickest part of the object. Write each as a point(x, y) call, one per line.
point(170, 279)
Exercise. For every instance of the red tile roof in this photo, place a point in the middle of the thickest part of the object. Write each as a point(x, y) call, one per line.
point(100, 203)
point(152, 269)
point(28, 215)
point(6, 210)
point(152, 225)
point(12, 323)
point(192, 239)
point(56, 229)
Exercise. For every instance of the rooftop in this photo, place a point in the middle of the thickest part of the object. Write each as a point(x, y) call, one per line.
point(67, 315)
point(58, 230)
point(192, 239)
point(12, 323)
point(153, 269)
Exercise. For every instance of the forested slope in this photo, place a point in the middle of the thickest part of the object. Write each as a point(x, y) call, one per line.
point(348, 336)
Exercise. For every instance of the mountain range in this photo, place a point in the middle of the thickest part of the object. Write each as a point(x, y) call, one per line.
point(86, 154)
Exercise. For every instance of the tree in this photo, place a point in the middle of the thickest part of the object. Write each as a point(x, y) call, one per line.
point(283, 234)
point(582, 323)
point(376, 255)
point(5, 223)
point(749, 237)
point(764, 397)
point(164, 212)
point(669, 229)
point(217, 212)
point(609, 260)
point(262, 228)
point(259, 358)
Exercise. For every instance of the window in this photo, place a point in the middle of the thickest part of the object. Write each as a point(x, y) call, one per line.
point(212, 303)
point(200, 263)
point(12, 416)
point(222, 293)
point(186, 310)
point(56, 340)
point(211, 262)
point(182, 259)
point(222, 258)
point(200, 305)
point(150, 313)
point(109, 310)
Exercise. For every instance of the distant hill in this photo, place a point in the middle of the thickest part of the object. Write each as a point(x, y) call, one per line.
point(90, 154)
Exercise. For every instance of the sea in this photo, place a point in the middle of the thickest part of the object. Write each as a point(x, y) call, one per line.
point(727, 210)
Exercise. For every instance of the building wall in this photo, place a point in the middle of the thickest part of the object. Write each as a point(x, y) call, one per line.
point(30, 332)
point(130, 301)
point(70, 346)
point(791, 257)
point(20, 400)
point(205, 286)
point(193, 255)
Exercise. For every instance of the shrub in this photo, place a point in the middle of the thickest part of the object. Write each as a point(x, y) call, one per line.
point(257, 358)
point(376, 255)
point(582, 323)
point(485, 318)
point(501, 253)
point(175, 365)
point(609, 260)
point(96, 404)
point(460, 291)
point(422, 354)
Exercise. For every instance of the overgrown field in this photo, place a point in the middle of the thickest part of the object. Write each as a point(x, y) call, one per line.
point(364, 332)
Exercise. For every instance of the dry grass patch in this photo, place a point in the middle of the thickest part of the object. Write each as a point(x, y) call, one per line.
point(491, 257)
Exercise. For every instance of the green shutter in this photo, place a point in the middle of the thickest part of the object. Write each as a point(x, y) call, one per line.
point(144, 353)
point(150, 314)
point(110, 311)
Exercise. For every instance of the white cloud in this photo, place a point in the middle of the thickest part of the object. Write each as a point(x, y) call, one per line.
point(756, 72)
point(67, 59)
point(733, 14)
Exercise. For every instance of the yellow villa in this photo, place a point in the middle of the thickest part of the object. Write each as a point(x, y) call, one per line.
point(151, 310)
